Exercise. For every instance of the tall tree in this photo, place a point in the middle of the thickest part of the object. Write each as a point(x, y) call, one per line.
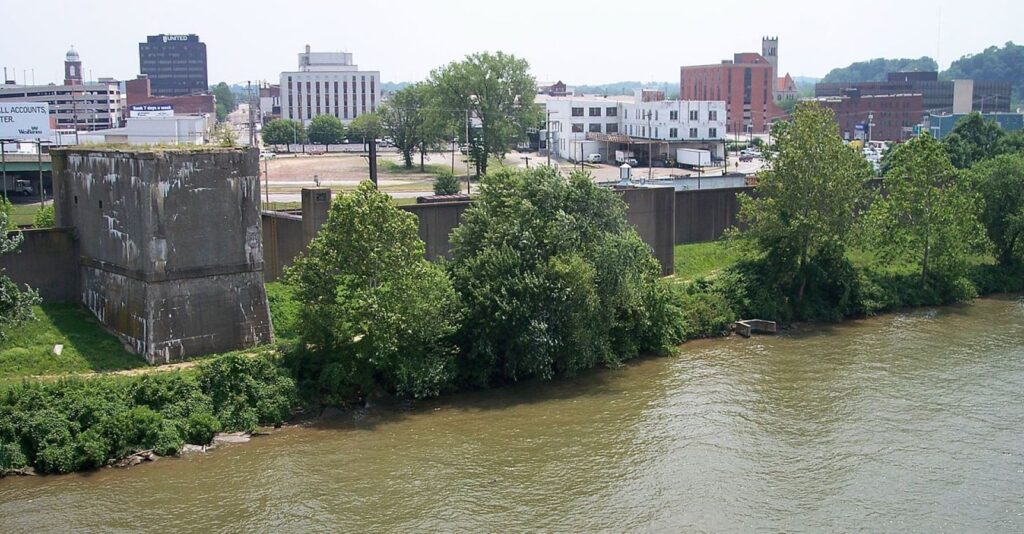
point(326, 130)
point(283, 132)
point(809, 196)
point(929, 215)
point(973, 139)
point(403, 118)
point(365, 126)
point(1001, 182)
point(497, 91)
point(225, 100)
point(15, 304)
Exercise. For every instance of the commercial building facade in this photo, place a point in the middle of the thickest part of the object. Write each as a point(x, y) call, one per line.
point(85, 106)
point(174, 64)
point(940, 125)
point(328, 83)
point(876, 117)
point(139, 94)
point(938, 96)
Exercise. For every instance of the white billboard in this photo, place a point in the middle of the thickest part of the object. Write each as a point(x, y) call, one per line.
point(151, 110)
point(24, 120)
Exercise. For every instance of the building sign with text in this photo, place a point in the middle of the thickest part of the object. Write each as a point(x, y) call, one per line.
point(151, 110)
point(24, 120)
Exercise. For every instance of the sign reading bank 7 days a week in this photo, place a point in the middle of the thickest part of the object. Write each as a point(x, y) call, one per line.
point(24, 120)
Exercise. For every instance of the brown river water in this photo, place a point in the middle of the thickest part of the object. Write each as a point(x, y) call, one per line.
point(912, 422)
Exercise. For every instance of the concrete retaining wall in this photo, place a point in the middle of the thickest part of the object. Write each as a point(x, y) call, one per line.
point(47, 261)
point(436, 222)
point(651, 212)
point(704, 215)
point(282, 241)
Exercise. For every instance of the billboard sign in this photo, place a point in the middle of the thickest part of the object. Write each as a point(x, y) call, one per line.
point(151, 110)
point(24, 120)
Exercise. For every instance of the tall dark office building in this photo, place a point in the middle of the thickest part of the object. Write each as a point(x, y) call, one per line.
point(174, 64)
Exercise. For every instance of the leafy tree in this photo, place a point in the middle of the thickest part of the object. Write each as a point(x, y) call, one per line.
point(283, 132)
point(446, 184)
point(1011, 143)
point(225, 100)
point(809, 196)
point(929, 215)
point(875, 70)
point(224, 135)
point(376, 312)
point(365, 126)
point(973, 139)
point(326, 130)
point(15, 304)
point(498, 92)
point(554, 280)
point(411, 119)
point(994, 63)
point(1001, 182)
point(45, 217)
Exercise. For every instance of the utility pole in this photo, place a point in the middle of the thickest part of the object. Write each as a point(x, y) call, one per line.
point(650, 156)
point(469, 151)
point(547, 130)
point(3, 161)
point(39, 161)
point(266, 180)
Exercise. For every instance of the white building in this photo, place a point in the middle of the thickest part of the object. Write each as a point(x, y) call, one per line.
point(638, 124)
point(328, 83)
point(172, 130)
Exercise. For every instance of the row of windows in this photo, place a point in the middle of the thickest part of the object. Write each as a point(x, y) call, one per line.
point(323, 95)
point(611, 127)
point(673, 133)
point(673, 115)
point(596, 112)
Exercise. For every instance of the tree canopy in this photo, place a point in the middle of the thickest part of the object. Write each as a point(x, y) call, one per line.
point(326, 130)
point(993, 63)
point(15, 303)
point(365, 126)
point(1001, 182)
point(498, 91)
point(973, 139)
point(283, 132)
point(875, 70)
point(225, 100)
point(409, 118)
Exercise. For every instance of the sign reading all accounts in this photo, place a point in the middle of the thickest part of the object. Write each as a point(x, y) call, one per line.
point(24, 120)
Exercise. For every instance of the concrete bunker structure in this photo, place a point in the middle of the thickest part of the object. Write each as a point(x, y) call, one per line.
point(170, 246)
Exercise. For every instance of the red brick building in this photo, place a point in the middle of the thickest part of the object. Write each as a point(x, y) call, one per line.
point(139, 92)
point(892, 117)
point(746, 84)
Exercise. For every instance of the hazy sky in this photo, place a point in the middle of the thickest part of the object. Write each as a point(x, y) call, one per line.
point(594, 41)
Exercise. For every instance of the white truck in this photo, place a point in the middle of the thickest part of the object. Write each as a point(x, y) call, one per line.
point(693, 157)
point(582, 149)
point(625, 156)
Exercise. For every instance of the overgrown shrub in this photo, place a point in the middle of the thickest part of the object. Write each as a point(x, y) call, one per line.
point(446, 184)
point(45, 217)
point(247, 391)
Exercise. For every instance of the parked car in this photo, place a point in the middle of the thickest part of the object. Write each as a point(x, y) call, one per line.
point(632, 162)
point(746, 157)
point(594, 158)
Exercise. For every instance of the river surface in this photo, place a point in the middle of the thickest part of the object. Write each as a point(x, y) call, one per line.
point(912, 422)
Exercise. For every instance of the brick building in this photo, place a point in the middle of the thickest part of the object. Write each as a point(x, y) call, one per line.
point(138, 92)
point(938, 95)
point(876, 117)
point(749, 84)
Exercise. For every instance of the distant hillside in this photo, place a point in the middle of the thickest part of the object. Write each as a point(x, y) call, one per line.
point(391, 87)
point(874, 70)
point(626, 88)
point(994, 63)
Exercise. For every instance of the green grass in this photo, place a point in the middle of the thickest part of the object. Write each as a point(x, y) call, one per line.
point(705, 259)
point(24, 214)
point(391, 167)
point(28, 348)
point(284, 311)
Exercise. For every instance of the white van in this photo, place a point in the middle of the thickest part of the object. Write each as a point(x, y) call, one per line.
point(594, 158)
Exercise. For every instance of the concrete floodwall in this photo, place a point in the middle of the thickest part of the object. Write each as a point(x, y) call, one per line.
point(436, 222)
point(650, 210)
point(170, 246)
point(282, 242)
point(46, 260)
point(705, 214)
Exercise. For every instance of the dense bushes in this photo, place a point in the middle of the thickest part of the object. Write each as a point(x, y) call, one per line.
point(80, 424)
point(553, 280)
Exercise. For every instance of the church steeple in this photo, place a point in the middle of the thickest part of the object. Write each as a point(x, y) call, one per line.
point(72, 68)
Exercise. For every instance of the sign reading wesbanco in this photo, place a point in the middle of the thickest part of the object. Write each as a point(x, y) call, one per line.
point(24, 120)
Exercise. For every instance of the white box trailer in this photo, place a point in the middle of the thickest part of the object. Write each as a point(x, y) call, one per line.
point(579, 150)
point(623, 156)
point(693, 157)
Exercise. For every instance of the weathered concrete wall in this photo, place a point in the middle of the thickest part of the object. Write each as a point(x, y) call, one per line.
point(170, 246)
point(704, 215)
point(316, 205)
point(46, 260)
point(651, 211)
point(282, 241)
point(436, 224)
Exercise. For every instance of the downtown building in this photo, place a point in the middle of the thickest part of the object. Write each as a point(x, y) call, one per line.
point(938, 96)
point(77, 105)
point(174, 64)
point(748, 84)
point(328, 83)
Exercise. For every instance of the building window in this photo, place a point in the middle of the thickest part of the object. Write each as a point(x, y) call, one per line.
point(693, 133)
point(595, 127)
point(673, 133)
point(577, 127)
point(655, 114)
point(655, 132)
point(673, 116)
point(611, 127)
point(595, 112)
point(577, 112)
point(693, 115)
point(713, 115)
point(712, 132)
point(611, 112)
